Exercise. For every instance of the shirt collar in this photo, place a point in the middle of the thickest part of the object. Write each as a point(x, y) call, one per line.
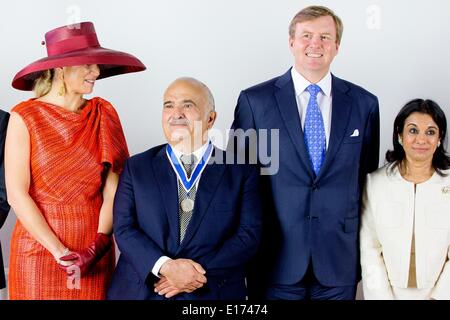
point(197, 153)
point(300, 83)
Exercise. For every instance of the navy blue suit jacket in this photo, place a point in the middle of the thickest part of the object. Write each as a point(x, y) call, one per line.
point(222, 236)
point(309, 218)
point(4, 206)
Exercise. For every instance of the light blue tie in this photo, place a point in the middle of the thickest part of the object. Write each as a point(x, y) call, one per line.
point(314, 130)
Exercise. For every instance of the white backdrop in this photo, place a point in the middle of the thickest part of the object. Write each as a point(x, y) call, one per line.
point(397, 49)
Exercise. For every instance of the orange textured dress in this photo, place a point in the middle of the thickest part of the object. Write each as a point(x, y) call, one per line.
point(69, 154)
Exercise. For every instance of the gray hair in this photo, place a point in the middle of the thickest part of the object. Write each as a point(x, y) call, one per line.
point(208, 94)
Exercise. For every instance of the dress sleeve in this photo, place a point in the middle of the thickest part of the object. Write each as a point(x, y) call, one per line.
point(112, 139)
point(441, 290)
point(376, 285)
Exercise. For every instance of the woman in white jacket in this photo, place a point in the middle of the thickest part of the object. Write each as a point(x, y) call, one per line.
point(405, 227)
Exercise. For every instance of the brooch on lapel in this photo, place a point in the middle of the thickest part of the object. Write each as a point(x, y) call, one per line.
point(446, 190)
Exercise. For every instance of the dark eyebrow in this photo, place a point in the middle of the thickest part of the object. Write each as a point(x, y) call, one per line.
point(189, 101)
point(415, 125)
point(184, 101)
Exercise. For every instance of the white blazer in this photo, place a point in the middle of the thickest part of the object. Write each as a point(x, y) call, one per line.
point(391, 211)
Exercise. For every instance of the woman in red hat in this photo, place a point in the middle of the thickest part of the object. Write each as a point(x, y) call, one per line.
point(62, 161)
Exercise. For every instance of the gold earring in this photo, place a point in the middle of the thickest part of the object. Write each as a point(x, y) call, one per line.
point(62, 90)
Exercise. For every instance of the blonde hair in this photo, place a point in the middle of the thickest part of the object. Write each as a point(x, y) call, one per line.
point(43, 84)
point(314, 12)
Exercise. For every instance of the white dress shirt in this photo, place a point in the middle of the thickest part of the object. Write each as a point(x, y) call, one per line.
point(198, 155)
point(324, 99)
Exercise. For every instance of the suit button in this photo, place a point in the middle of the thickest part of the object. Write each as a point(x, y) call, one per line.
point(314, 186)
point(308, 217)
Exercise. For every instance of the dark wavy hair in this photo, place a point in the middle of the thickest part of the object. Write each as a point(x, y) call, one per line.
point(441, 160)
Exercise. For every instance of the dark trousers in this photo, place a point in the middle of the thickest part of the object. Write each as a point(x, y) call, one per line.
point(2, 272)
point(309, 288)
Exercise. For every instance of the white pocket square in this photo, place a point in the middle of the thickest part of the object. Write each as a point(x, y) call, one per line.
point(355, 133)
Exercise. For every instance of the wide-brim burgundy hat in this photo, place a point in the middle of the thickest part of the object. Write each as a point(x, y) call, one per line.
point(74, 45)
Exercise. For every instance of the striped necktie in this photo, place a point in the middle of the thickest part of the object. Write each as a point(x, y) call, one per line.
point(188, 162)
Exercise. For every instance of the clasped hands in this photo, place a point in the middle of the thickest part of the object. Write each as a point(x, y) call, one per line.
point(180, 275)
point(86, 258)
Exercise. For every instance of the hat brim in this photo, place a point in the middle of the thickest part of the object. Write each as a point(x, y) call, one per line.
point(110, 62)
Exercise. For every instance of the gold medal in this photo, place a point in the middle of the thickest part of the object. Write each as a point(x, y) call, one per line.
point(187, 205)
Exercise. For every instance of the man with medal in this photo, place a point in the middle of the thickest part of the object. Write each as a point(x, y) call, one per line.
point(186, 223)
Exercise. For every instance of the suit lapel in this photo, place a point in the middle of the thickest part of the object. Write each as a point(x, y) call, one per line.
point(287, 105)
point(167, 182)
point(341, 111)
point(207, 187)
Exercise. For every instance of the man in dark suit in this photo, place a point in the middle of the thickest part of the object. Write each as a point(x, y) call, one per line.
point(185, 222)
point(328, 132)
point(4, 206)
